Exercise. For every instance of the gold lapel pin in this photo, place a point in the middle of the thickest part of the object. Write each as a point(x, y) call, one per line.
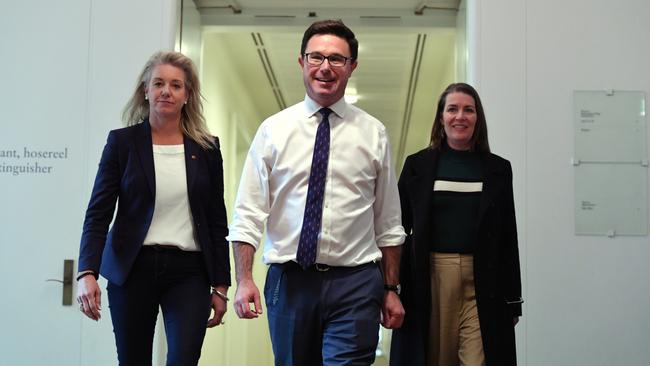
point(193, 157)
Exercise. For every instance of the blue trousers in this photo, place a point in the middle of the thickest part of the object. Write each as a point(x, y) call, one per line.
point(324, 317)
point(177, 282)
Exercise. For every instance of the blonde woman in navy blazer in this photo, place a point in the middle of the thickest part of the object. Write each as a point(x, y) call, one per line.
point(166, 247)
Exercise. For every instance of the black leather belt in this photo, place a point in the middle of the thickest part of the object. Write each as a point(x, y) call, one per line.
point(319, 267)
point(159, 247)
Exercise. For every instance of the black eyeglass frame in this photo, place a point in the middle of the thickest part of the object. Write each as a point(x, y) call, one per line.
point(307, 58)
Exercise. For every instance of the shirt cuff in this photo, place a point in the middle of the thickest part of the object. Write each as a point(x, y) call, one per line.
point(248, 239)
point(392, 237)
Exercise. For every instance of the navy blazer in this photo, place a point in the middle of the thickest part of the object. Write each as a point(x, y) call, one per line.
point(126, 173)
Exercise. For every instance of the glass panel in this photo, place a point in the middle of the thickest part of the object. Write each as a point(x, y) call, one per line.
point(611, 164)
point(610, 126)
point(611, 199)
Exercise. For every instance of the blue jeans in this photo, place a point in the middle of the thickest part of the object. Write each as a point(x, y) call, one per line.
point(177, 282)
point(324, 317)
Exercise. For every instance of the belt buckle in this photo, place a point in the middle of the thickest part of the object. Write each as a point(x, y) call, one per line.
point(321, 267)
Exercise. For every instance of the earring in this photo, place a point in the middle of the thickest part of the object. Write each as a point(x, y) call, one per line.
point(186, 102)
point(146, 97)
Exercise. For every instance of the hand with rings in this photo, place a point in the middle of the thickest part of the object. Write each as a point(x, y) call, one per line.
point(219, 304)
point(89, 297)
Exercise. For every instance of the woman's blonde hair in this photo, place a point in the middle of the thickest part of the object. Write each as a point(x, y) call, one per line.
point(192, 121)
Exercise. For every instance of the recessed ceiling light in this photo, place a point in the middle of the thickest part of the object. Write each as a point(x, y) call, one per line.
point(351, 98)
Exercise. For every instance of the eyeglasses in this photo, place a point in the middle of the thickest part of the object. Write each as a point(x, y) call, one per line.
point(316, 59)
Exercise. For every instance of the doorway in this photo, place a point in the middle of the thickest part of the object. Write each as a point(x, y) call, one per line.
point(248, 60)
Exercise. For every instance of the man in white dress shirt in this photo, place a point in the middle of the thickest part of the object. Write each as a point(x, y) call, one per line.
point(319, 175)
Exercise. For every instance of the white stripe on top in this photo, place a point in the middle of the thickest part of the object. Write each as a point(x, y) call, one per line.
point(451, 186)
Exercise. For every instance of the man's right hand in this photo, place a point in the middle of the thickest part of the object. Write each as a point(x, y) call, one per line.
point(247, 294)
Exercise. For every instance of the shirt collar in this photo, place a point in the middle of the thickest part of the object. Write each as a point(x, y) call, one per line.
point(338, 108)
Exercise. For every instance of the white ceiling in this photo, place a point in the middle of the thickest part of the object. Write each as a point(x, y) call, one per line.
point(250, 6)
point(405, 59)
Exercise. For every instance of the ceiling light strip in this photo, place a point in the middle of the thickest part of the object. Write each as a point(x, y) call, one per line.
point(268, 69)
point(410, 96)
point(268, 77)
point(207, 4)
point(276, 85)
point(420, 10)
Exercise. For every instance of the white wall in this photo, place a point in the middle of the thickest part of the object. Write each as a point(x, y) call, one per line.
point(586, 297)
point(68, 69)
point(43, 97)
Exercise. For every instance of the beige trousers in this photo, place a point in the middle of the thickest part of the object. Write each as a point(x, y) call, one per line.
point(454, 332)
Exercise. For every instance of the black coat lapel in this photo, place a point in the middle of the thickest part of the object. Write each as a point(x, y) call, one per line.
point(428, 166)
point(425, 168)
point(192, 156)
point(144, 146)
point(493, 173)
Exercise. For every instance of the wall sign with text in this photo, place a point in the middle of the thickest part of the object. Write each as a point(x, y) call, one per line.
point(611, 163)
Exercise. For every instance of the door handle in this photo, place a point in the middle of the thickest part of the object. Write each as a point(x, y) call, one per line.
point(68, 268)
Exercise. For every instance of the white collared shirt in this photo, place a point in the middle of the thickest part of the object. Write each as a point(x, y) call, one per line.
point(361, 210)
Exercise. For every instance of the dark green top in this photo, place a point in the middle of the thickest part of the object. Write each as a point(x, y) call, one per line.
point(456, 199)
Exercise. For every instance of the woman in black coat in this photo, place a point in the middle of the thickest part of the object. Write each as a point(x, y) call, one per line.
point(460, 277)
